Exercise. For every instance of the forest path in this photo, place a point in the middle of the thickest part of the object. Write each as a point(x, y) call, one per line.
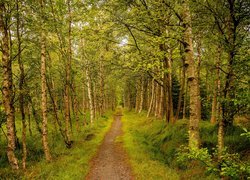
point(111, 160)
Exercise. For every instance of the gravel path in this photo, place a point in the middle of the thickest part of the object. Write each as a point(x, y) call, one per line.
point(111, 161)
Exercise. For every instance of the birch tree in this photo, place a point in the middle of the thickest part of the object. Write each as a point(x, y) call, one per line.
point(7, 86)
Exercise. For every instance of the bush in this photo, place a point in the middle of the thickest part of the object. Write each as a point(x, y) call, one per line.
point(228, 165)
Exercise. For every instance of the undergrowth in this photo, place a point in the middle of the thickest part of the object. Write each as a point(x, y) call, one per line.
point(152, 143)
point(67, 163)
point(143, 156)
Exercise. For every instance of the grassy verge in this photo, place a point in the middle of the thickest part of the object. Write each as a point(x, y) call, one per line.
point(144, 163)
point(67, 163)
point(152, 145)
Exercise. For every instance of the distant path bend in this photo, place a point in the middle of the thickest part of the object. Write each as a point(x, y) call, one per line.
point(111, 161)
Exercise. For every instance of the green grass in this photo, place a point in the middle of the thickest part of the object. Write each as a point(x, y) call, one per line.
point(142, 158)
point(67, 163)
point(153, 144)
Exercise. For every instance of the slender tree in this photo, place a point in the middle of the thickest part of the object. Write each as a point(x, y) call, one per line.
point(7, 85)
point(44, 89)
point(21, 86)
point(68, 72)
point(193, 81)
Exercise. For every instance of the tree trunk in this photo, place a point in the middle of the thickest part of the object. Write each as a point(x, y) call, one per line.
point(94, 99)
point(214, 114)
point(75, 107)
point(51, 88)
point(193, 81)
point(91, 106)
point(101, 91)
point(161, 102)
point(184, 97)
point(68, 70)
point(157, 99)
point(148, 93)
point(198, 73)
point(137, 102)
point(152, 98)
point(170, 89)
point(7, 91)
point(228, 106)
point(21, 89)
point(141, 96)
point(35, 115)
point(220, 120)
point(55, 112)
point(29, 117)
point(167, 84)
point(84, 105)
point(44, 95)
point(182, 88)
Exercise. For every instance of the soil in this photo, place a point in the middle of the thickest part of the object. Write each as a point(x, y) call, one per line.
point(111, 160)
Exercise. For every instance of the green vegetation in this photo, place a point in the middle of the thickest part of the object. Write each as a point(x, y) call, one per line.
point(67, 163)
point(145, 158)
point(154, 147)
point(65, 63)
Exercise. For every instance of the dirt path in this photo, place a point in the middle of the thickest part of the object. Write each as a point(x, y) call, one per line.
point(111, 161)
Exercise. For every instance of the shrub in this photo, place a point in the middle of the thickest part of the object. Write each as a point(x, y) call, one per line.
point(228, 165)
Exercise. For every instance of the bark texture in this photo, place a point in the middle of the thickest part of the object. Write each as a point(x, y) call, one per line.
point(7, 91)
point(193, 81)
point(21, 89)
point(44, 95)
point(91, 105)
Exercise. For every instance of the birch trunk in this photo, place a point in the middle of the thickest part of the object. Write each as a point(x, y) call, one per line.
point(21, 89)
point(84, 106)
point(101, 90)
point(149, 92)
point(7, 91)
point(76, 107)
point(193, 81)
point(91, 106)
point(220, 119)
point(152, 98)
point(44, 94)
point(141, 96)
point(94, 99)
